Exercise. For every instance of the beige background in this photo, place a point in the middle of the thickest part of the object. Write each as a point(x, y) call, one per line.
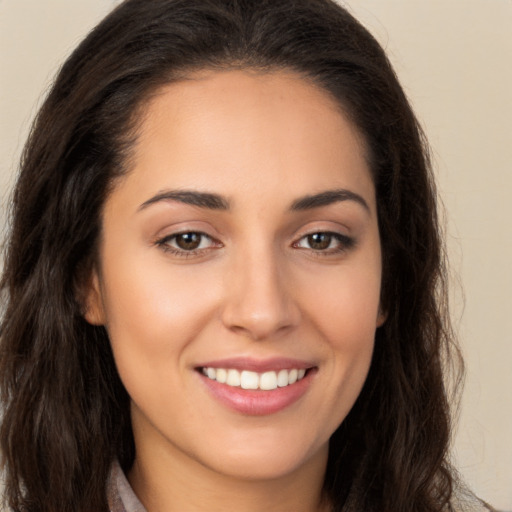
point(454, 58)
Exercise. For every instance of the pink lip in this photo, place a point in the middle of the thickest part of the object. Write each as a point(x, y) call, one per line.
point(258, 365)
point(258, 402)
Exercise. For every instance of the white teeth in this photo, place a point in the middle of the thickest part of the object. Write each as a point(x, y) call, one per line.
point(222, 375)
point(282, 378)
point(249, 380)
point(252, 380)
point(268, 381)
point(233, 378)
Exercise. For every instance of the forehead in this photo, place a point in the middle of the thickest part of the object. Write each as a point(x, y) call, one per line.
point(229, 129)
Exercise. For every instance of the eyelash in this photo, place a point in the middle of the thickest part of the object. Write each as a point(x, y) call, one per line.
point(344, 243)
point(164, 244)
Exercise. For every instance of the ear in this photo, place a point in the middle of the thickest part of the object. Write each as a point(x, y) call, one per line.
point(381, 317)
point(92, 303)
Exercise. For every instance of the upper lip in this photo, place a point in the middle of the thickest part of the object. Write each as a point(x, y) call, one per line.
point(258, 365)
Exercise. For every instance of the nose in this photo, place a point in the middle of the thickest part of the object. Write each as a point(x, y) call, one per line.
point(259, 301)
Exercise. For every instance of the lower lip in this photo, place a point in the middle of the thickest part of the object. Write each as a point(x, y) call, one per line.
point(258, 402)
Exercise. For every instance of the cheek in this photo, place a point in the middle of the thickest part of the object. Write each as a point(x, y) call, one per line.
point(344, 302)
point(154, 316)
point(153, 313)
point(344, 308)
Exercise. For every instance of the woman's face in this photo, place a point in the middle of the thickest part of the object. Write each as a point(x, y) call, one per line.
point(241, 251)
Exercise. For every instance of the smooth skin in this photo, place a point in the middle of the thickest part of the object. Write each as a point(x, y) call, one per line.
point(260, 272)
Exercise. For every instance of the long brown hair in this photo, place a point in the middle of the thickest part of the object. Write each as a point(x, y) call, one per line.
point(65, 411)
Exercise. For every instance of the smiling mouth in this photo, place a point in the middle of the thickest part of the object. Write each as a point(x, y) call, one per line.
point(257, 387)
point(245, 379)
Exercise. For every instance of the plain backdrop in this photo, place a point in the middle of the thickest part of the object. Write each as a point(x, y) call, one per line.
point(454, 59)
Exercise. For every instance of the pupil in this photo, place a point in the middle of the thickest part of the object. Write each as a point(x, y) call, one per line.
point(188, 241)
point(319, 241)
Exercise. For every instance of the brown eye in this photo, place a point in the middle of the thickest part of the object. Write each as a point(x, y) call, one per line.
point(188, 241)
point(325, 242)
point(319, 241)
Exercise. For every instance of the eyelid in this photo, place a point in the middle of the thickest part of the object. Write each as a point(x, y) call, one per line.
point(163, 243)
point(345, 242)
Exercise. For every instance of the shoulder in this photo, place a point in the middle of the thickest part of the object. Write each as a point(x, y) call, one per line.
point(468, 502)
point(477, 506)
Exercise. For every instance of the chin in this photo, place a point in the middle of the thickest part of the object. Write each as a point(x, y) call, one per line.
point(267, 458)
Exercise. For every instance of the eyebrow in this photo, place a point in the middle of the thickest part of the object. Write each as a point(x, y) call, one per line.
point(200, 199)
point(327, 198)
point(212, 201)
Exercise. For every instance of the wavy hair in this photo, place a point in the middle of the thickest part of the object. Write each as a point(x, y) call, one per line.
point(65, 410)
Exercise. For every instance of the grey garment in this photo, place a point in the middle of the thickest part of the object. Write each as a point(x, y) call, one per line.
point(120, 495)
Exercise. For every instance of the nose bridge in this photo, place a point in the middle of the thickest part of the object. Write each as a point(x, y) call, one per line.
point(259, 302)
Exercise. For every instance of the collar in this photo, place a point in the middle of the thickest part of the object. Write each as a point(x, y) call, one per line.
point(120, 495)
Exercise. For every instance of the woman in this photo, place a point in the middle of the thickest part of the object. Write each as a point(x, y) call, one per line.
point(224, 281)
